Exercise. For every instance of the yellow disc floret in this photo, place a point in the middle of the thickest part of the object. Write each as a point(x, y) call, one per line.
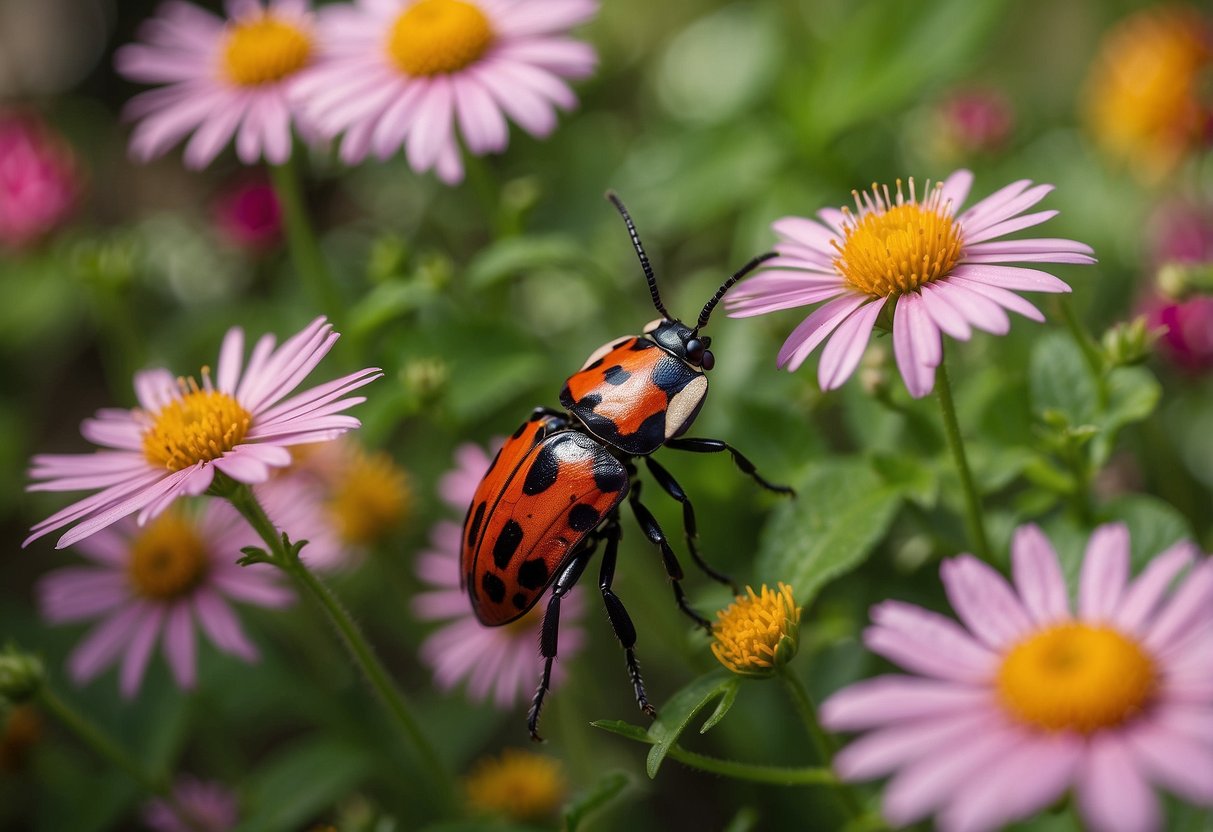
point(264, 50)
point(1076, 677)
point(201, 425)
point(895, 246)
point(370, 497)
point(519, 785)
point(759, 632)
point(167, 559)
point(435, 37)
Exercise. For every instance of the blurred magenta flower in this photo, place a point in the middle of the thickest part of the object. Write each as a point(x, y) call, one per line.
point(222, 79)
point(397, 72)
point(976, 120)
point(182, 432)
point(1182, 233)
point(1185, 330)
point(249, 215)
point(208, 807)
point(339, 497)
point(502, 663)
point(154, 584)
point(1110, 701)
point(39, 180)
point(917, 261)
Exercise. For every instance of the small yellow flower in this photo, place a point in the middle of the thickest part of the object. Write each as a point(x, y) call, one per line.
point(759, 633)
point(519, 785)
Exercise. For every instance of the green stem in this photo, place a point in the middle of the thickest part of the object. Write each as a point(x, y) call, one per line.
point(101, 743)
point(286, 557)
point(972, 500)
point(1090, 350)
point(822, 741)
point(302, 242)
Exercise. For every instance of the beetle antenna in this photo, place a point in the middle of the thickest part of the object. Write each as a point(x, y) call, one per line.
point(728, 284)
point(644, 258)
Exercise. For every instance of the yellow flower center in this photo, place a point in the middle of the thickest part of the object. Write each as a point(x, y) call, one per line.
point(371, 497)
point(519, 785)
point(1144, 94)
point(434, 37)
point(264, 50)
point(168, 558)
point(894, 246)
point(200, 426)
point(759, 632)
point(1076, 677)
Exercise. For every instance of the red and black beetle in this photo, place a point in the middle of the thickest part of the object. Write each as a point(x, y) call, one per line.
point(553, 492)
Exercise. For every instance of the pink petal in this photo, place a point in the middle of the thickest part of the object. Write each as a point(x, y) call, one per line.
point(977, 309)
point(990, 216)
point(1016, 278)
point(884, 750)
point(104, 642)
point(928, 643)
point(889, 699)
point(480, 119)
point(956, 188)
point(943, 313)
point(1105, 570)
point(846, 346)
point(917, 346)
point(1180, 764)
point(214, 133)
point(984, 601)
point(995, 201)
point(809, 233)
point(221, 626)
point(1146, 593)
point(815, 328)
point(140, 650)
point(80, 593)
point(1038, 578)
point(432, 127)
point(1008, 227)
point(231, 354)
point(1188, 609)
point(178, 644)
point(1004, 298)
point(1113, 795)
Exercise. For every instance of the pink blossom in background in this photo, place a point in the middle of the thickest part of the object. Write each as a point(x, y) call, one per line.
point(1181, 232)
point(932, 269)
point(39, 180)
point(977, 120)
point(221, 79)
point(405, 73)
point(157, 584)
point(458, 486)
point(249, 215)
point(208, 806)
point(183, 432)
point(1028, 698)
point(1185, 330)
point(501, 664)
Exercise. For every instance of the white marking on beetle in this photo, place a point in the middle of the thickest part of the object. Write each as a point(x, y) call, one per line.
point(682, 407)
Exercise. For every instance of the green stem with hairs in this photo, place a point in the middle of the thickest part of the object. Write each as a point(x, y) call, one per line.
point(304, 247)
point(974, 520)
point(285, 555)
point(822, 741)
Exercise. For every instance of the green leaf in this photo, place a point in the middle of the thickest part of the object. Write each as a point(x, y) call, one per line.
point(910, 476)
point(512, 256)
point(299, 782)
point(842, 510)
point(677, 713)
point(1153, 525)
point(595, 797)
point(1059, 379)
point(386, 302)
point(1133, 395)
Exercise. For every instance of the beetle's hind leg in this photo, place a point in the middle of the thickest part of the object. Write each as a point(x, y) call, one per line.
point(714, 446)
point(671, 487)
point(621, 622)
point(550, 629)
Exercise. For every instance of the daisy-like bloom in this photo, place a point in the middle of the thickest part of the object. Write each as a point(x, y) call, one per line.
point(932, 269)
point(157, 583)
point(339, 497)
point(405, 72)
point(1147, 97)
point(1031, 698)
point(501, 663)
point(207, 806)
point(182, 432)
point(758, 633)
point(1185, 330)
point(457, 487)
point(222, 79)
point(519, 785)
point(39, 181)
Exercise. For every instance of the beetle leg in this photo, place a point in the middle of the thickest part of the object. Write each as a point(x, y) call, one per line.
point(712, 446)
point(671, 487)
point(621, 622)
point(549, 631)
point(648, 524)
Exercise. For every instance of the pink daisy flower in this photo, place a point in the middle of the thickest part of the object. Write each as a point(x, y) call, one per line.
point(155, 584)
point(405, 72)
point(919, 262)
point(208, 807)
point(182, 433)
point(458, 487)
point(39, 180)
point(501, 663)
point(1030, 699)
point(222, 79)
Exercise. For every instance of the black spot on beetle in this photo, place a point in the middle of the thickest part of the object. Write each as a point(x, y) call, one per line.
point(641, 344)
point(594, 365)
point(533, 574)
point(519, 601)
point(521, 430)
point(671, 375)
point(616, 375)
point(582, 517)
point(474, 526)
point(566, 395)
point(543, 472)
point(507, 544)
point(493, 587)
point(609, 478)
